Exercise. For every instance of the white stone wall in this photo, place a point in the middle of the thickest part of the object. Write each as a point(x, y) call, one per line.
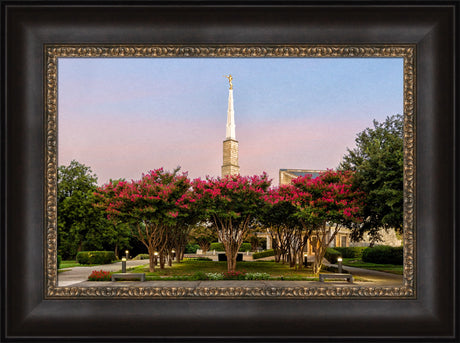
point(230, 157)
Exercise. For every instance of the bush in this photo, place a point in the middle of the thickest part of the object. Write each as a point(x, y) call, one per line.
point(200, 276)
point(383, 254)
point(191, 248)
point(198, 259)
point(59, 259)
point(100, 275)
point(95, 257)
point(331, 255)
point(245, 247)
point(235, 275)
point(257, 276)
point(217, 246)
point(215, 276)
point(350, 252)
point(142, 257)
point(266, 253)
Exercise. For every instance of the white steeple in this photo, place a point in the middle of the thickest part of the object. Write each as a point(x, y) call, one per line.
point(230, 116)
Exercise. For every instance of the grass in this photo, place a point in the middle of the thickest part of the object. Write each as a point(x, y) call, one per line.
point(72, 263)
point(187, 269)
point(388, 268)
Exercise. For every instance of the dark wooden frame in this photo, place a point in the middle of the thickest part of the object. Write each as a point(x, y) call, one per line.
point(26, 315)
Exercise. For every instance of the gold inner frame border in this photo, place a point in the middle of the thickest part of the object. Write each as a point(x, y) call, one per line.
point(53, 52)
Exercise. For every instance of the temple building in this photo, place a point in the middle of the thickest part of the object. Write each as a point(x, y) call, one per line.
point(230, 152)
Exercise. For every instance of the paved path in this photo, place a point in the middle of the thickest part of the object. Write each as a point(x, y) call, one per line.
point(78, 274)
point(375, 276)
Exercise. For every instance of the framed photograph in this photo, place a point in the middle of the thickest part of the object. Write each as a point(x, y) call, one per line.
point(59, 60)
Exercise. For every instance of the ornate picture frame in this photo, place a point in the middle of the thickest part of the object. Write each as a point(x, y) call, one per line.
point(33, 308)
point(53, 53)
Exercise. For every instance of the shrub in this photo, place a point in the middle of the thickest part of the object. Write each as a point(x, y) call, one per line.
point(331, 255)
point(220, 247)
point(350, 252)
point(217, 246)
point(59, 259)
point(257, 276)
point(383, 254)
point(200, 276)
point(100, 275)
point(191, 248)
point(141, 257)
point(198, 259)
point(215, 276)
point(95, 257)
point(235, 275)
point(245, 247)
point(266, 253)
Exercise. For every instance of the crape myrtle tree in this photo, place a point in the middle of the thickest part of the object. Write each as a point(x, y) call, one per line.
point(232, 203)
point(153, 206)
point(377, 162)
point(286, 231)
point(324, 205)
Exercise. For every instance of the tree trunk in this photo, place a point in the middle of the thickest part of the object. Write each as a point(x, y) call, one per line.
point(116, 251)
point(152, 260)
point(162, 260)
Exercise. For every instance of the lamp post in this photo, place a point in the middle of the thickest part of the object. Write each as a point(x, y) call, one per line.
point(339, 262)
point(127, 254)
point(305, 259)
point(156, 257)
point(123, 265)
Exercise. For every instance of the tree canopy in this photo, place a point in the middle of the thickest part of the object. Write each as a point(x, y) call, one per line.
point(377, 161)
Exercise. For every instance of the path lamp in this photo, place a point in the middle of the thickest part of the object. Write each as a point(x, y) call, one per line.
point(156, 257)
point(339, 262)
point(305, 259)
point(127, 254)
point(123, 265)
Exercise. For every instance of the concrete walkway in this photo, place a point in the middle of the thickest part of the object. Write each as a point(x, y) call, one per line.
point(78, 274)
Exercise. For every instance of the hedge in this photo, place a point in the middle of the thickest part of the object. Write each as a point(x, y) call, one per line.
point(217, 246)
point(142, 257)
point(266, 253)
point(220, 247)
point(350, 252)
point(95, 257)
point(331, 255)
point(383, 254)
point(191, 248)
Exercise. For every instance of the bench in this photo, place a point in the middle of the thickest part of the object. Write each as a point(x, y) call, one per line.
point(349, 277)
point(128, 276)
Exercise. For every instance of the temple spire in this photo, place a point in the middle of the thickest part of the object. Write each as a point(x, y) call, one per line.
point(230, 158)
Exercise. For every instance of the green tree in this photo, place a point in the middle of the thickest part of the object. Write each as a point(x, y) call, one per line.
point(378, 164)
point(203, 234)
point(76, 215)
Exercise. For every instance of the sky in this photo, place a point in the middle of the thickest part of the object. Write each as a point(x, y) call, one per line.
point(125, 116)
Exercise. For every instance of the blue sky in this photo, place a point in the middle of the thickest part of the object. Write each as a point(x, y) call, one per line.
point(125, 116)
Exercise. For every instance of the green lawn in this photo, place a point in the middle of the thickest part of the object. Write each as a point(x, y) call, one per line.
point(73, 263)
point(358, 263)
point(188, 268)
point(191, 267)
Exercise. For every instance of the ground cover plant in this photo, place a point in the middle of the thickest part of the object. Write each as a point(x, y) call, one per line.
point(100, 275)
